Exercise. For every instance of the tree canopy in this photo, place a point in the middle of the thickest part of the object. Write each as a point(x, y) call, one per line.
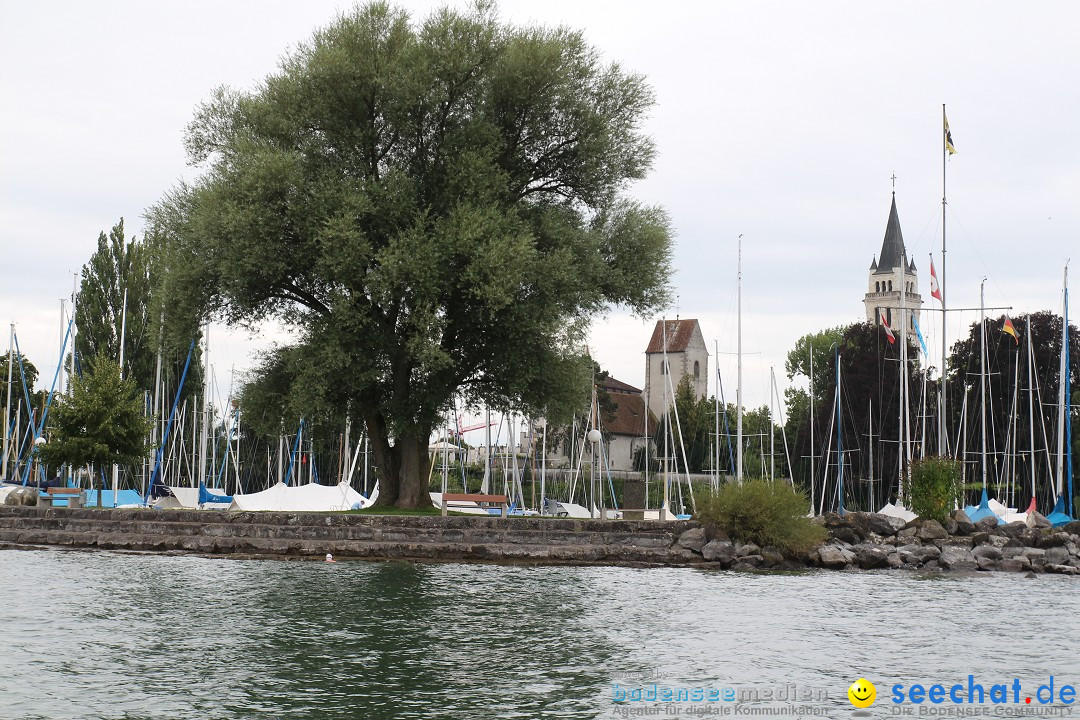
point(100, 423)
point(434, 206)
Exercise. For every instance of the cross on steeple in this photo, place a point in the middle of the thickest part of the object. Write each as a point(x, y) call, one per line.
point(894, 183)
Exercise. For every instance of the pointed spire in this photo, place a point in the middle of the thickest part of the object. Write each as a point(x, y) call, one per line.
point(892, 248)
point(873, 265)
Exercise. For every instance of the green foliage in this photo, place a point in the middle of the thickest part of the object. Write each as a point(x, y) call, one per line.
point(435, 207)
point(934, 486)
point(121, 264)
point(100, 423)
point(764, 513)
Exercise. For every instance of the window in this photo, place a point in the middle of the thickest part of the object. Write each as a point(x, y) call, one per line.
point(697, 370)
point(890, 286)
point(877, 287)
point(663, 367)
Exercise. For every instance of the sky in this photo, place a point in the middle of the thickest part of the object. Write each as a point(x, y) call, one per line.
point(782, 122)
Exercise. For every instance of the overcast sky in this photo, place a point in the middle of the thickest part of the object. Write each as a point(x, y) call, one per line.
point(780, 121)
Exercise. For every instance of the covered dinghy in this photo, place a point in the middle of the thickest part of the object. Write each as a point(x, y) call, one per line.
point(303, 498)
point(189, 498)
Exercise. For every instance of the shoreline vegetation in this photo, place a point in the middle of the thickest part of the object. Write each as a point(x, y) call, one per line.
point(854, 541)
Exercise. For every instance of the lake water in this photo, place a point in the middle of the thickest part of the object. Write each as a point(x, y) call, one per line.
point(103, 635)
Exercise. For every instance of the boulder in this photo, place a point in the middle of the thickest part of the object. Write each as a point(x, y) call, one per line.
point(1013, 529)
point(721, 551)
point(693, 539)
point(987, 551)
point(957, 559)
point(907, 532)
point(988, 523)
point(1060, 569)
point(771, 556)
point(831, 556)
point(1012, 565)
point(931, 530)
point(871, 557)
point(964, 542)
point(1056, 555)
point(1036, 557)
point(1052, 538)
point(980, 537)
point(884, 525)
point(894, 560)
point(22, 497)
point(1038, 520)
point(747, 550)
point(1072, 528)
point(846, 534)
point(950, 526)
point(917, 554)
point(964, 526)
point(748, 562)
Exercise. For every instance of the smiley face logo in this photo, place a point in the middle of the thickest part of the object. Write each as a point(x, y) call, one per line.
point(862, 693)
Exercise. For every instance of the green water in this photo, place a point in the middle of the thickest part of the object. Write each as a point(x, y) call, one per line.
point(102, 635)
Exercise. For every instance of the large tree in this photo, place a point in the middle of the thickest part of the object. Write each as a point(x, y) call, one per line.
point(100, 423)
point(434, 206)
point(121, 264)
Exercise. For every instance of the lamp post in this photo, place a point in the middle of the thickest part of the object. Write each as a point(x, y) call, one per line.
point(594, 438)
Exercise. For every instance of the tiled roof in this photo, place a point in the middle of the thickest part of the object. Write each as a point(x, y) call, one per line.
point(679, 334)
point(630, 416)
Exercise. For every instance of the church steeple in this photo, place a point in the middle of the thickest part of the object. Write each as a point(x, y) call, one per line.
point(892, 247)
point(888, 275)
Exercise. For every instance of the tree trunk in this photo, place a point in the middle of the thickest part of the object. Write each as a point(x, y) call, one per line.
point(403, 467)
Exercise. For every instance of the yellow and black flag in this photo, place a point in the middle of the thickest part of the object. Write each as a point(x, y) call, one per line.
point(948, 137)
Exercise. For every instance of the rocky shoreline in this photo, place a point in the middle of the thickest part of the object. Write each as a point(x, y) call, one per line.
point(856, 541)
point(870, 541)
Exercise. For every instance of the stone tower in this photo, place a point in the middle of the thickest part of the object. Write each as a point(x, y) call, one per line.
point(889, 274)
point(687, 356)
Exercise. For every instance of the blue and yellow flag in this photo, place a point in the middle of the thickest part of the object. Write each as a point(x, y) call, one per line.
point(918, 334)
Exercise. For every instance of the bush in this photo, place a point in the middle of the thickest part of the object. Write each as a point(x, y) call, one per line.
point(764, 513)
point(935, 483)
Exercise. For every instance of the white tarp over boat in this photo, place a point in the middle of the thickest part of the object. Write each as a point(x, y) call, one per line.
point(303, 498)
point(464, 506)
point(187, 498)
point(898, 511)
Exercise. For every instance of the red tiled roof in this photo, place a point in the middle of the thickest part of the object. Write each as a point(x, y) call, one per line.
point(630, 416)
point(679, 333)
point(612, 385)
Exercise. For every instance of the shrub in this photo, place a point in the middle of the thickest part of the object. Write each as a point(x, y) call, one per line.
point(764, 513)
point(935, 482)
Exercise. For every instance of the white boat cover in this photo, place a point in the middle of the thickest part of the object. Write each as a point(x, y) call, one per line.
point(898, 511)
point(302, 498)
point(463, 506)
point(187, 498)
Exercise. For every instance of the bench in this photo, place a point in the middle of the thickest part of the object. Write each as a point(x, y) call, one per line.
point(76, 497)
point(448, 498)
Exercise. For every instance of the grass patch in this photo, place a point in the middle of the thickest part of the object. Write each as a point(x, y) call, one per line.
point(764, 513)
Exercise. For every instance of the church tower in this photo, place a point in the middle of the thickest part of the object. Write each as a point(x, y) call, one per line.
point(890, 272)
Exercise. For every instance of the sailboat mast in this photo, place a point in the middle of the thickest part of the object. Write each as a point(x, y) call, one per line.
point(7, 404)
point(982, 377)
point(1062, 384)
point(943, 443)
point(813, 450)
point(839, 441)
point(1031, 411)
point(739, 388)
point(902, 421)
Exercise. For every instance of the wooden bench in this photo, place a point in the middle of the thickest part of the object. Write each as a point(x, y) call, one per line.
point(76, 497)
point(448, 498)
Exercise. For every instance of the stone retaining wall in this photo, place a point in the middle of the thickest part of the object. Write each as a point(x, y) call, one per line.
point(856, 540)
point(455, 538)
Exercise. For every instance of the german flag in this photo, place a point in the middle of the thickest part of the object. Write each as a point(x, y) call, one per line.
point(948, 137)
point(1008, 327)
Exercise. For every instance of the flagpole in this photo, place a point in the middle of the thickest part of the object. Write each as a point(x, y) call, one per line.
point(943, 447)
